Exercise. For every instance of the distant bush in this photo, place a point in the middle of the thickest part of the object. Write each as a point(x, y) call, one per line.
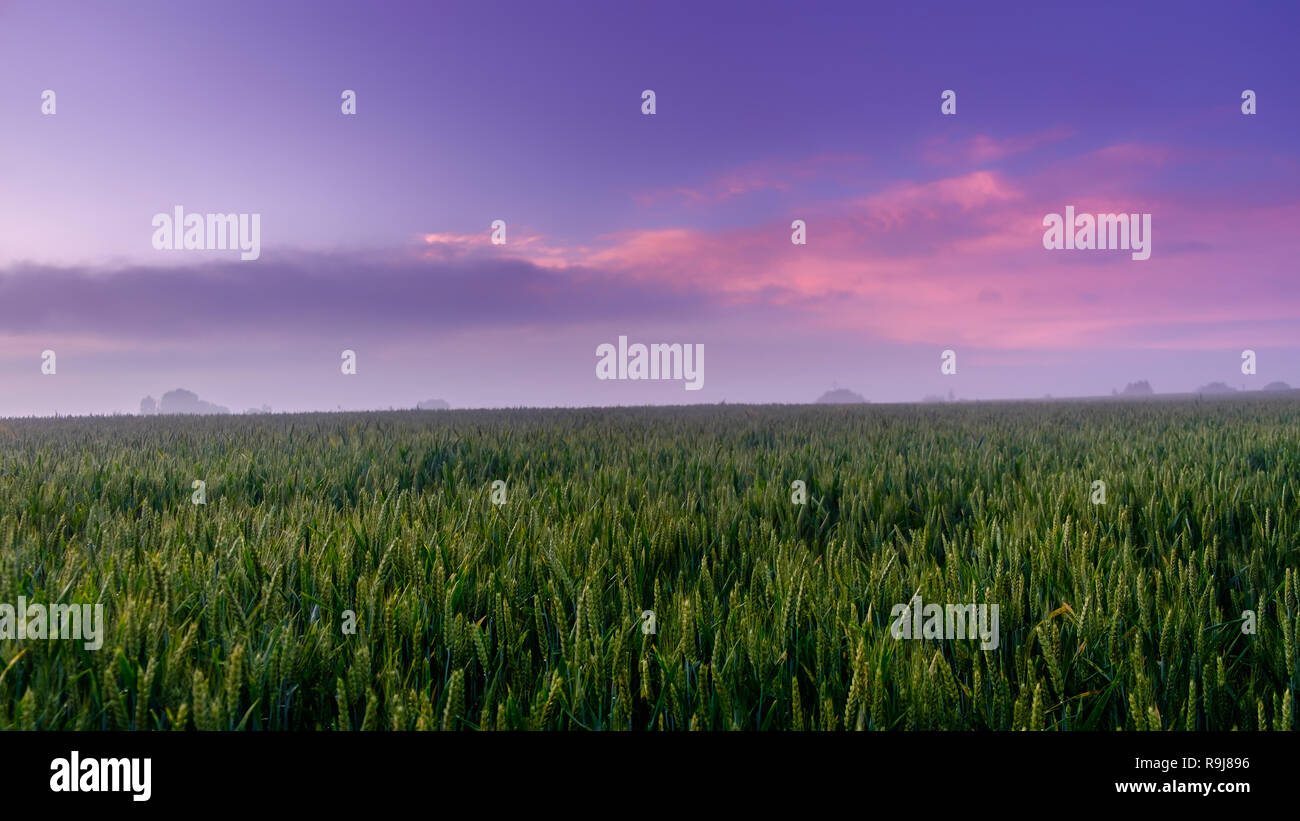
point(1216, 387)
point(841, 396)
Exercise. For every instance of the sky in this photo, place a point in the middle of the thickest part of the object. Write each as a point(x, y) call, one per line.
point(924, 230)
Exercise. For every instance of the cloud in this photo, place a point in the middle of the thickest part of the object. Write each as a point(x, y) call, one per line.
point(982, 149)
point(957, 258)
point(522, 243)
point(765, 175)
point(317, 295)
point(960, 257)
point(1129, 154)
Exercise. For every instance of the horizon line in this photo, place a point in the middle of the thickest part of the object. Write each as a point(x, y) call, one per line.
point(927, 402)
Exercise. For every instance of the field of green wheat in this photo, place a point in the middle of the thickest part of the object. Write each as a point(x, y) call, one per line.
point(769, 615)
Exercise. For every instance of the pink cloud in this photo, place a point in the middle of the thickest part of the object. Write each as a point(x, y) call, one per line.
point(983, 148)
point(901, 203)
point(520, 243)
point(1129, 154)
point(768, 175)
point(960, 259)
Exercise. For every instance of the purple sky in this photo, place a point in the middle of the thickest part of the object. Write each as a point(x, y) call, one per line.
point(924, 231)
